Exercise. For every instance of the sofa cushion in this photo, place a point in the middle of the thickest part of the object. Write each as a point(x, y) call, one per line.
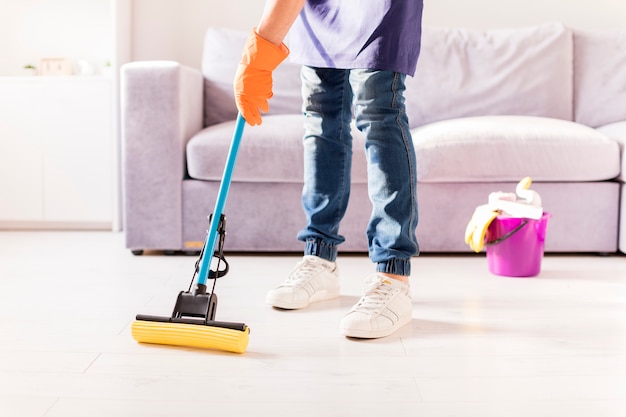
point(464, 73)
point(617, 131)
point(599, 76)
point(270, 152)
point(508, 148)
point(221, 56)
point(503, 148)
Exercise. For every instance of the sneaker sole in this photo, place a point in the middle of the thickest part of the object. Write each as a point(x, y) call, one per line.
point(286, 305)
point(365, 334)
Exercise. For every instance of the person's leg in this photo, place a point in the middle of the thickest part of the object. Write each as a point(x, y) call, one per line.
point(327, 98)
point(380, 113)
point(392, 178)
point(327, 142)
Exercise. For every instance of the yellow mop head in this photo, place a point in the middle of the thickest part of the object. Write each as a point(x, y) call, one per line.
point(191, 335)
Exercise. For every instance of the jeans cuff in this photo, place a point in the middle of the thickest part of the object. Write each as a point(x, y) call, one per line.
point(321, 249)
point(395, 266)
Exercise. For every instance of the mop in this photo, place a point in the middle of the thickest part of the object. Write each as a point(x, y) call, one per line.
point(192, 322)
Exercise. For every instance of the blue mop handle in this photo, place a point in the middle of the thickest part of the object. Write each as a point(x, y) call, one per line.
point(209, 248)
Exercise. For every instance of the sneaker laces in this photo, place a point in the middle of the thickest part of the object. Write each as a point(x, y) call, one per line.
point(376, 295)
point(304, 271)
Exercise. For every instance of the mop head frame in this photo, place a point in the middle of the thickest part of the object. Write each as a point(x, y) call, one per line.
point(192, 324)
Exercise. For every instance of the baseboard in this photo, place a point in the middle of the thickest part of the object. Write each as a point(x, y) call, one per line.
point(51, 225)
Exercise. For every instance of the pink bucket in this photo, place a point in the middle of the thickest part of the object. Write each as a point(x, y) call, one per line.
point(514, 245)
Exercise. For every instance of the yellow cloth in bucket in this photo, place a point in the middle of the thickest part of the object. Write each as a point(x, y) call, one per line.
point(478, 225)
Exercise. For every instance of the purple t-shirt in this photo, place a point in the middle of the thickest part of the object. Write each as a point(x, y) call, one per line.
point(373, 34)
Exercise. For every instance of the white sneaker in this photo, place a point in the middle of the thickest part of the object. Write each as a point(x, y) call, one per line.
point(384, 308)
point(313, 279)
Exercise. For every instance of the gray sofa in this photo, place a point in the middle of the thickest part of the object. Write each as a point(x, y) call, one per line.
point(486, 109)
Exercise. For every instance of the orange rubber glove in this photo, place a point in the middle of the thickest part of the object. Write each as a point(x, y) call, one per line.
point(253, 81)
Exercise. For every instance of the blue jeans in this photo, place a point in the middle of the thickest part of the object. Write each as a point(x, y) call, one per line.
point(331, 97)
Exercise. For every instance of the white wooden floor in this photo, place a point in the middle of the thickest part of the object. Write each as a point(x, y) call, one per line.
point(479, 345)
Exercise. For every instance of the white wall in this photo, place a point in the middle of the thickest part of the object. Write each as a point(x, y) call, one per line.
point(173, 29)
point(483, 14)
point(35, 29)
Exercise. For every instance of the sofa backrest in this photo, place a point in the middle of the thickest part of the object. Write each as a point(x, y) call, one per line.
point(461, 73)
point(599, 76)
point(221, 56)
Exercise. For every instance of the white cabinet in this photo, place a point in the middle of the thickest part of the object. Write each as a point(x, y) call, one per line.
point(57, 152)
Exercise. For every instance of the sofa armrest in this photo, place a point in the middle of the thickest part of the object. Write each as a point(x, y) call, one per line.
point(617, 132)
point(161, 109)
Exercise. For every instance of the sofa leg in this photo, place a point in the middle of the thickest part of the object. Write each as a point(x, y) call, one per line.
point(137, 252)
